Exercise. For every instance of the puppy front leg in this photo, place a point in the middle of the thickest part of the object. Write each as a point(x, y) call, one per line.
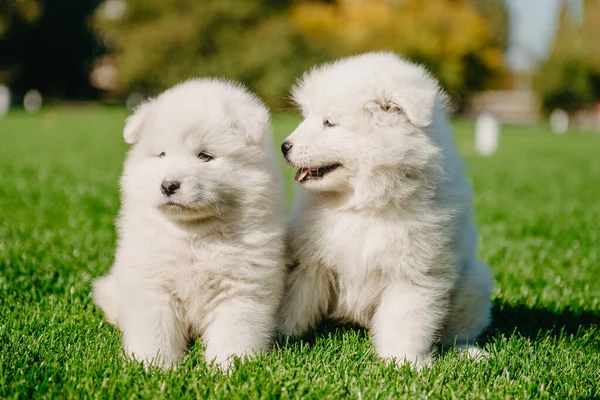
point(305, 300)
point(406, 323)
point(152, 331)
point(238, 327)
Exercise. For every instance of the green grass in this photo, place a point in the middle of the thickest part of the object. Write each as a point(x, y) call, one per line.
point(538, 210)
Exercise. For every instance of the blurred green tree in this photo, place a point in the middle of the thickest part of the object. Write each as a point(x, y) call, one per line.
point(268, 43)
point(570, 78)
point(161, 42)
point(495, 12)
point(25, 10)
point(461, 41)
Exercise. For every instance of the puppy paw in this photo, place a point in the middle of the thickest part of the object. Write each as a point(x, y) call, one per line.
point(471, 351)
point(155, 359)
point(418, 362)
point(289, 327)
point(104, 293)
point(285, 332)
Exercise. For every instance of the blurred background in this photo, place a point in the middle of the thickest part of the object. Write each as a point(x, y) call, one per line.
point(518, 59)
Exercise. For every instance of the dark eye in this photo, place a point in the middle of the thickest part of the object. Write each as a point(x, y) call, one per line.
point(162, 154)
point(328, 123)
point(205, 156)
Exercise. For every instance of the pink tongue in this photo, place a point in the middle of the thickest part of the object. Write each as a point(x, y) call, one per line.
point(301, 174)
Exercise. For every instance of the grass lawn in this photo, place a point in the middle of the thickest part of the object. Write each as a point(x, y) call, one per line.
point(538, 211)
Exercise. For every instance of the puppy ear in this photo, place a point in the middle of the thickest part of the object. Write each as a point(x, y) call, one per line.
point(252, 120)
point(134, 123)
point(414, 104)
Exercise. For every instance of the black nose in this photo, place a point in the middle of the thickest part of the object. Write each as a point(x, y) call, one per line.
point(286, 147)
point(169, 187)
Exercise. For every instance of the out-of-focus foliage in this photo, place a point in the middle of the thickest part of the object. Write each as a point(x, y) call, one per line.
point(570, 78)
point(267, 44)
point(25, 10)
point(161, 42)
point(452, 38)
point(497, 16)
point(48, 45)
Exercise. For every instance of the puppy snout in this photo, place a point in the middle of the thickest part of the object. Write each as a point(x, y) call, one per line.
point(286, 147)
point(169, 188)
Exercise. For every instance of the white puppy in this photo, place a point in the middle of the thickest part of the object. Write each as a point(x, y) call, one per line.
point(382, 235)
point(201, 226)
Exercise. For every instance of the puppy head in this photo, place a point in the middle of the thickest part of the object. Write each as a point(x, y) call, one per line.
point(366, 119)
point(199, 148)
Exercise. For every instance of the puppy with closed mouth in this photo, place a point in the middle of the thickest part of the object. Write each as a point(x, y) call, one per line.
point(382, 232)
point(201, 226)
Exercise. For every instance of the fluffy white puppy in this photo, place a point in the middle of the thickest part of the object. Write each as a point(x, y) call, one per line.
point(382, 234)
point(201, 226)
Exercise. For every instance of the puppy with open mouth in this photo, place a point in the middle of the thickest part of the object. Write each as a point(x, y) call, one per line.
point(201, 228)
point(382, 232)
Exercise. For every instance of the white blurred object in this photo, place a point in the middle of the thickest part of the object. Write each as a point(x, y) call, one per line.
point(559, 121)
point(32, 101)
point(4, 100)
point(113, 10)
point(104, 75)
point(487, 134)
point(134, 99)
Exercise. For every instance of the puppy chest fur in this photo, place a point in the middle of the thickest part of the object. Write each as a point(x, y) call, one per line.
point(364, 254)
point(201, 272)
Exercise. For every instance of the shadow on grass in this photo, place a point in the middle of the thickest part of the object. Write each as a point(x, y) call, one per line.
point(535, 322)
point(328, 329)
point(507, 320)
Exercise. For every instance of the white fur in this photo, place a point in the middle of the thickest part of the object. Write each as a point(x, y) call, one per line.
point(386, 240)
point(210, 264)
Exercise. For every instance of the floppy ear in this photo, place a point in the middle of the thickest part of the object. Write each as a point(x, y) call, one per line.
point(134, 123)
point(414, 104)
point(252, 120)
